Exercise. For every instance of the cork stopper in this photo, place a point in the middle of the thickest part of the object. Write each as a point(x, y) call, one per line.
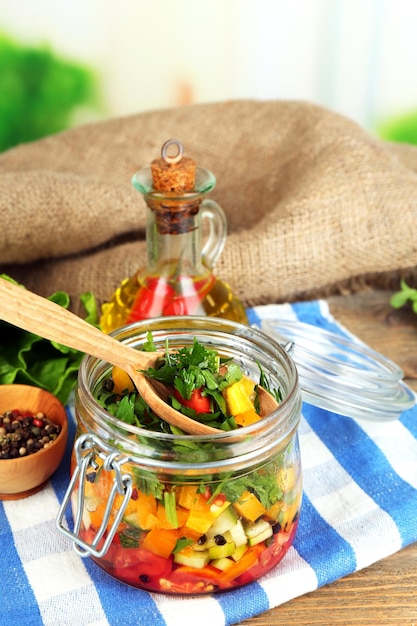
point(173, 172)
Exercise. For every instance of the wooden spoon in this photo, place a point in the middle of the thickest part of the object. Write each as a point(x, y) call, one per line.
point(47, 319)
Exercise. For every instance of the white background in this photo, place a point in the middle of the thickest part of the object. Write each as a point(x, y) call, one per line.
point(356, 57)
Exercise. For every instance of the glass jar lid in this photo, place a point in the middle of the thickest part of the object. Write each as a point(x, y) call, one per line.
point(340, 375)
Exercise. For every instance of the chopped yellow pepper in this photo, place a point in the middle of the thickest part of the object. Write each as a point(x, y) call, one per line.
point(239, 396)
point(199, 521)
point(122, 381)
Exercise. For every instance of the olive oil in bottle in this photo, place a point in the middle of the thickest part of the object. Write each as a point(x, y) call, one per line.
point(178, 278)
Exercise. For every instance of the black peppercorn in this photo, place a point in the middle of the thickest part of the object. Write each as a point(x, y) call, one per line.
point(21, 435)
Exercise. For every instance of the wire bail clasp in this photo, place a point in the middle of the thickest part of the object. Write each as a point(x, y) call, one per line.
point(87, 448)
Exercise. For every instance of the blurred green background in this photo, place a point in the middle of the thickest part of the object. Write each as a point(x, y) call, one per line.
point(110, 59)
point(40, 92)
point(401, 128)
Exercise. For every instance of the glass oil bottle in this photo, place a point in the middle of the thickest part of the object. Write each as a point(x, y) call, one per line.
point(178, 278)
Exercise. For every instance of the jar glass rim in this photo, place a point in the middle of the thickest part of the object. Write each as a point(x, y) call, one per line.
point(270, 430)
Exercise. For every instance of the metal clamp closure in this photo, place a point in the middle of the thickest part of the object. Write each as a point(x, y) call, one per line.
point(87, 449)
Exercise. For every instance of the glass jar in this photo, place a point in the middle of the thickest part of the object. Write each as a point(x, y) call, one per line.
point(185, 514)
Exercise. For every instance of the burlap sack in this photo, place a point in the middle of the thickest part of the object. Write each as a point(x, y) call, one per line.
point(315, 204)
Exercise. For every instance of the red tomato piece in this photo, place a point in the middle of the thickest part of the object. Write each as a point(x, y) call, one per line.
point(140, 566)
point(207, 493)
point(198, 402)
point(190, 580)
point(220, 499)
point(89, 535)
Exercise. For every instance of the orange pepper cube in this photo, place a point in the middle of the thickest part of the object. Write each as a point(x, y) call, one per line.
point(249, 507)
point(189, 498)
point(145, 513)
point(163, 522)
point(247, 418)
point(160, 541)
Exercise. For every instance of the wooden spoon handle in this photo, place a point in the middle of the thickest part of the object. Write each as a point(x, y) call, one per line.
point(47, 319)
point(38, 315)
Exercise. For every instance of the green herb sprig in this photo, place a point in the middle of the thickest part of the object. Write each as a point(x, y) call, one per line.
point(188, 369)
point(406, 294)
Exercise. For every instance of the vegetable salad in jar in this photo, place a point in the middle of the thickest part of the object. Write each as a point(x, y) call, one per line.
point(174, 513)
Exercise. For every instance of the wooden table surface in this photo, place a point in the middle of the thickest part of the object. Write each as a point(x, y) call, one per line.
point(386, 592)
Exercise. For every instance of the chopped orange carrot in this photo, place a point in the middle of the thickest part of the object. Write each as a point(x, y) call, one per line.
point(160, 541)
point(248, 560)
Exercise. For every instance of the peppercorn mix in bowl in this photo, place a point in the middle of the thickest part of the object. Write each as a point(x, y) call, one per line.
point(33, 437)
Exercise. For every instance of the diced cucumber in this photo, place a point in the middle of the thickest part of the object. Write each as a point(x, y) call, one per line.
point(131, 519)
point(239, 552)
point(256, 528)
point(217, 552)
point(200, 547)
point(258, 532)
point(192, 558)
point(86, 518)
point(130, 537)
point(209, 542)
point(259, 538)
point(222, 564)
point(224, 522)
point(227, 536)
point(238, 534)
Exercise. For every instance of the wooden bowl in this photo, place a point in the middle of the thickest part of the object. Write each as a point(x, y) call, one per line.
point(26, 475)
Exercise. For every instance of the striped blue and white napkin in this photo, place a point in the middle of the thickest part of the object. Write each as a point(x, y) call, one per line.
point(359, 506)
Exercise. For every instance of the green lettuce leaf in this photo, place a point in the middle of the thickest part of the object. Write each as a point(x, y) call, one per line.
point(27, 359)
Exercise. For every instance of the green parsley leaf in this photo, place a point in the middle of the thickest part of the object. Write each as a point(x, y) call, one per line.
point(149, 345)
point(264, 382)
point(210, 380)
point(218, 397)
point(233, 375)
point(182, 543)
point(147, 483)
point(126, 410)
point(263, 484)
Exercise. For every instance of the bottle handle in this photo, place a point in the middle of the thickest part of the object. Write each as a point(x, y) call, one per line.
point(213, 247)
